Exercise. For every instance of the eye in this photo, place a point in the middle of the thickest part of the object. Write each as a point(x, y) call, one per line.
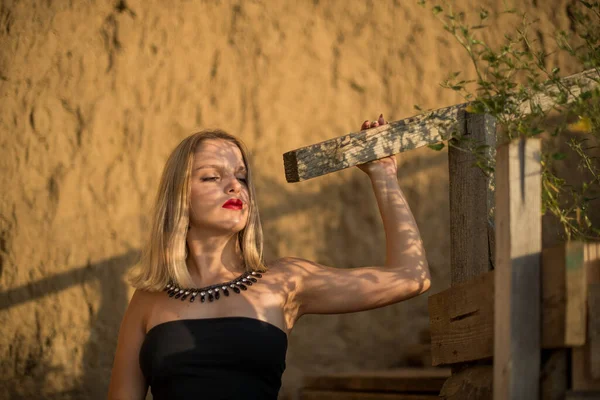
point(244, 180)
point(210, 178)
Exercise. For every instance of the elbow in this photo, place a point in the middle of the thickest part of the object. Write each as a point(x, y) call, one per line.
point(424, 281)
point(425, 284)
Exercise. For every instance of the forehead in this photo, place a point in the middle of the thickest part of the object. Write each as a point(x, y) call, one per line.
point(217, 151)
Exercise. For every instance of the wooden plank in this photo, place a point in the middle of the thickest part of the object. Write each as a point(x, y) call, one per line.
point(592, 259)
point(585, 360)
point(397, 380)
point(461, 318)
point(360, 147)
point(471, 201)
point(517, 274)
point(309, 394)
point(462, 321)
point(564, 292)
point(432, 127)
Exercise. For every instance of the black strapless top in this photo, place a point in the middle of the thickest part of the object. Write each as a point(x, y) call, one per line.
point(214, 359)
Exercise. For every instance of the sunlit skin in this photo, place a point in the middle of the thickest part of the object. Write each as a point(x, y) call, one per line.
point(218, 174)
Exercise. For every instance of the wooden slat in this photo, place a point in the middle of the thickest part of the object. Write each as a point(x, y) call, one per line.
point(309, 394)
point(462, 321)
point(585, 360)
point(396, 137)
point(398, 380)
point(517, 274)
point(471, 201)
point(592, 259)
point(564, 292)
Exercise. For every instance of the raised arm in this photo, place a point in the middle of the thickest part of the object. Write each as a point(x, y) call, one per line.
point(325, 290)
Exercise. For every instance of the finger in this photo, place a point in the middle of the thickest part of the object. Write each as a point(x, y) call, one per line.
point(374, 124)
point(365, 125)
point(381, 121)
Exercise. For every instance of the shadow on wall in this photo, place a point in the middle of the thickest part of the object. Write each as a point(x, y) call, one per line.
point(104, 325)
point(109, 274)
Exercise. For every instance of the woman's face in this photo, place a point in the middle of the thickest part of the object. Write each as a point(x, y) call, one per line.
point(218, 175)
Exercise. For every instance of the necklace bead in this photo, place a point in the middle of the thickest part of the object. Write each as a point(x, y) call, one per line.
point(213, 292)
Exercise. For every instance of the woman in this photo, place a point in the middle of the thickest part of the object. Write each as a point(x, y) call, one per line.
point(208, 319)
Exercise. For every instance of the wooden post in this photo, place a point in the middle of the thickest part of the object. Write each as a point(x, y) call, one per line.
point(471, 223)
point(471, 202)
point(517, 275)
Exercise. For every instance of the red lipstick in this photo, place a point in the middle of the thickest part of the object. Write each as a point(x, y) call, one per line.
point(234, 204)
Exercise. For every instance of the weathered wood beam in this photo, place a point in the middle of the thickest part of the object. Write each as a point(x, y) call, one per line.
point(372, 144)
point(461, 318)
point(428, 128)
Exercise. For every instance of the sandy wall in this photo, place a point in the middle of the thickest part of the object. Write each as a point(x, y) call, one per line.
point(95, 94)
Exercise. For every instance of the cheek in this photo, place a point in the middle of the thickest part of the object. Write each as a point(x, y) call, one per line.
point(202, 196)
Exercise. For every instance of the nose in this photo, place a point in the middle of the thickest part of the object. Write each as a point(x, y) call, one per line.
point(234, 185)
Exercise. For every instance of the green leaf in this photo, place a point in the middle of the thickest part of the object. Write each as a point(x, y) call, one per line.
point(437, 146)
point(585, 95)
point(559, 156)
point(483, 14)
point(536, 131)
point(417, 107)
point(437, 10)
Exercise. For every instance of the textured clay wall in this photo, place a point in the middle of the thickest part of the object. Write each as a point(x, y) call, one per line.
point(95, 94)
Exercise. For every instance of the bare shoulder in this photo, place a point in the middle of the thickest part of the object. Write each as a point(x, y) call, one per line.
point(140, 307)
point(291, 265)
point(288, 270)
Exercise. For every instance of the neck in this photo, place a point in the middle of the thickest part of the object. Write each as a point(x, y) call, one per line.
point(213, 260)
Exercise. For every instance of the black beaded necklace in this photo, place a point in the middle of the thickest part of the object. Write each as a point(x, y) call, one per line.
point(213, 292)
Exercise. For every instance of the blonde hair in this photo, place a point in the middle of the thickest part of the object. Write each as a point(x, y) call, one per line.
point(164, 254)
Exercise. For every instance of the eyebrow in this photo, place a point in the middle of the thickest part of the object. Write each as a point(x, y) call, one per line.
point(240, 168)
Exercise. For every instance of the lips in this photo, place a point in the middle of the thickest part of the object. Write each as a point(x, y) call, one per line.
point(235, 204)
